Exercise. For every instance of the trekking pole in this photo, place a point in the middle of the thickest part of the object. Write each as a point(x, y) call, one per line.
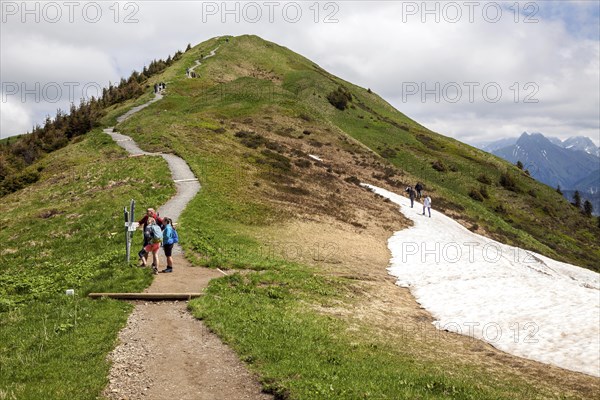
point(127, 240)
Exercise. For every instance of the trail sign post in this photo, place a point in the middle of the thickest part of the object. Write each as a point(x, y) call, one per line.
point(130, 227)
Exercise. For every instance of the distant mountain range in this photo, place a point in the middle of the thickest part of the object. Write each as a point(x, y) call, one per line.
point(572, 164)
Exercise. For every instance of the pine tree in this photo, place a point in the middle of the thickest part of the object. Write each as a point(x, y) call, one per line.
point(577, 199)
point(520, 165)
point(189, 47)
point(558, 190)
point(588, 208)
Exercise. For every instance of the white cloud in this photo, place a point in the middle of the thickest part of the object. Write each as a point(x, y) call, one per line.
point(370, 46)
point(14, 118)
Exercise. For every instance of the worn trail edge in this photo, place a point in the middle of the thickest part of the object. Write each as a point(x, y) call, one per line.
point(164, 352)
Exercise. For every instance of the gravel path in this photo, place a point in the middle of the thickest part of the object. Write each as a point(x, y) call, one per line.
point(164, 353)
point(198, 63)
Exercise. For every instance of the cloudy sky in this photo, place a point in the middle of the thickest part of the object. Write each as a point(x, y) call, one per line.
point(473, 70)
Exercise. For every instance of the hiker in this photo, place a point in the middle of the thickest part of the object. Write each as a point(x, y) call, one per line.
point(143, 224)
point(411, 195)
point(418, 188)
point(427, 205)
point(170, 237)
point(155, 237)
point(155, 88)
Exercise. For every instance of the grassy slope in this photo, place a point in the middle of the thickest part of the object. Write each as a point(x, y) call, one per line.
point(65, 231)
point(269, 315)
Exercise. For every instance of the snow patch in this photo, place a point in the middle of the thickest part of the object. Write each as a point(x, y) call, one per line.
point(520, 302)
point(314, 157)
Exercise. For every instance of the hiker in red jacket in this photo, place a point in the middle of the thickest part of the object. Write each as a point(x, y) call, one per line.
point(143, 223)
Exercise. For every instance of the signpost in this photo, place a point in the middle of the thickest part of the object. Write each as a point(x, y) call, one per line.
point(130, 227)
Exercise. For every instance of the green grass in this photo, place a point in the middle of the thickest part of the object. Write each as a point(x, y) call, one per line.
point(301, 354)
point(63, 232)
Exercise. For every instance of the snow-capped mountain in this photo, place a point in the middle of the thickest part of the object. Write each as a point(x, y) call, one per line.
point(581, 143)
point(574, 164)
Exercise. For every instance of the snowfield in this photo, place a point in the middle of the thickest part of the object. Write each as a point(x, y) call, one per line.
point(518, 301)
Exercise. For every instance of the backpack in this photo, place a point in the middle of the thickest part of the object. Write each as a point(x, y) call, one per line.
point(170, 235)
point(156, 234)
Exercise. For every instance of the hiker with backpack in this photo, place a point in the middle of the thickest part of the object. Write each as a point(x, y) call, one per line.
point(411, 195)
point(170, 237)
point(153, 234)
point(143, 223)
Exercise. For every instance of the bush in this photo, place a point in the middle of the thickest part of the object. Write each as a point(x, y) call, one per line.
point(483, 178)
point(500, 209)
point(302, 163)
point(484, 192)
point(475, 195)
point(439, 166)
point(340, 98)
point(388, 153)
point(507, 182)
point(354, 180)
point(17, 182)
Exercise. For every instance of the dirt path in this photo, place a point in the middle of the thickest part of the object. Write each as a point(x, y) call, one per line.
point(164, 352)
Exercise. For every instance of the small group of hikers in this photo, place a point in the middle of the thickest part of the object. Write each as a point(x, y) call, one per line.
point(417, 192)
point(190, 73)
point(157, 231)
point(159, 87)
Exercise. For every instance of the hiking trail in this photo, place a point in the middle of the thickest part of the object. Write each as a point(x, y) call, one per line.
point(163, 351)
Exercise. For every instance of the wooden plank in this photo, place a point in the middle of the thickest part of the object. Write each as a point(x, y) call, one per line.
point(146, 296)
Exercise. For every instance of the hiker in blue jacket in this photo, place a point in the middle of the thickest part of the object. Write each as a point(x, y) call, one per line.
point(170, 237)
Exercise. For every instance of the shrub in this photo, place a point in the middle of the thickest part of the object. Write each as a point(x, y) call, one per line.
point(302, 163)
point(18, 182)
point(484, 192)
point(475, 195)
point(354, 180)
point(340, 98)
point(507, 182)
point(500, 209)
point(483, 178)
point(439, 166)
point(388, 153)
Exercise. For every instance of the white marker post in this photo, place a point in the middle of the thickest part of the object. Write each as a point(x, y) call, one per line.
point(130, 227)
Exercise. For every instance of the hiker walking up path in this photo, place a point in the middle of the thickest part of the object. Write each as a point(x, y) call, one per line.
point(164, 352)
point(519, 301)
